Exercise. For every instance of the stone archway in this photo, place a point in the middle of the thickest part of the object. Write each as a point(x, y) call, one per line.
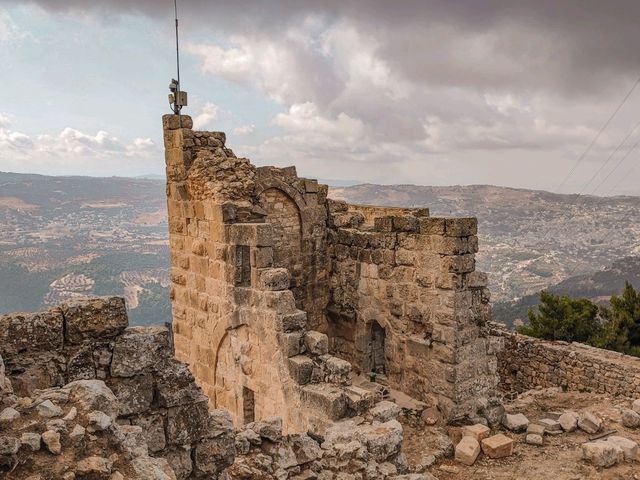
point(232, 370)
point(284, 216)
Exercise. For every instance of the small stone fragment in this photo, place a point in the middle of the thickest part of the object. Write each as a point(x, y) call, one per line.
point(52, 441)
point(71, 415)
point(568, 421)
point(8, 416)
point(31, 440)
point(431, 415)
point(48, 409)
point(77, 432)
point(515, 423)
point(589, 423)
point(117, 476)
point(602, 453)
point(534, 439)
point(98, 421)
point(477, 431)
point(497, 446)
point(467, 450)
point(635, 406)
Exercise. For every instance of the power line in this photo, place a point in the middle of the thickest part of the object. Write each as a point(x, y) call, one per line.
point(626, 175)
point(595, 139)
point(611, 155)
point(617, 165)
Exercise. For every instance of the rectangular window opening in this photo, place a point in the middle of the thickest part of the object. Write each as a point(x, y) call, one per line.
point(242, 266)
point(248, 405)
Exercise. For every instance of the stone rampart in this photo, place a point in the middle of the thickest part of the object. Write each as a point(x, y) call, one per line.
point(525, 363)
point(95, 398)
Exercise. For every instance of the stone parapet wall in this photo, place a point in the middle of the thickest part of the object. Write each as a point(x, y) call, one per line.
point(414, 276)
point(525, 363)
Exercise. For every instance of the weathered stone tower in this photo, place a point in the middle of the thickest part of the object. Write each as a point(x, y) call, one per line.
point(278, 292)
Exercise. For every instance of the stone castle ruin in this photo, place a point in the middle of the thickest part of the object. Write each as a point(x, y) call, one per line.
point(312, 340)
point(288, 303)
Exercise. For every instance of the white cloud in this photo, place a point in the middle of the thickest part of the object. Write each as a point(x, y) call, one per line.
point(244, 130)
point(10, 34)
point(72, 151)
point(209, 113)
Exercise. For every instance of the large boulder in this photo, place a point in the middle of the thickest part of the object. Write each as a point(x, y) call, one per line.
point(602, 453)
point(96, 318)
point(139, 350)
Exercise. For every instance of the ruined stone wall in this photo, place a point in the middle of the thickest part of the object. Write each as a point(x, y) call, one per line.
point(67, 353)
point(248, 248)
point(525, 363)
point(414, 276)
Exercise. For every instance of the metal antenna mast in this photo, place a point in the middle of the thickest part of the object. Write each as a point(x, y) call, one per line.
point(177, 98)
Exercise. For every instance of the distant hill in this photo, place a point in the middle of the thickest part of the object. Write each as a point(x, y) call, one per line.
point(529, 240)
point(66, 236)
point(62, 237)
point(598, 287)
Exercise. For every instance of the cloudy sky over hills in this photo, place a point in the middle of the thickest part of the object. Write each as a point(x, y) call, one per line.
point(430, 92)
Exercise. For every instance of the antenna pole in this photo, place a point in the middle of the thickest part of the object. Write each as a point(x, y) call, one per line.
point(175, 6)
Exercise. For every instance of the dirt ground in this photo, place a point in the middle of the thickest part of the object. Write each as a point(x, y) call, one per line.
point(558, 459)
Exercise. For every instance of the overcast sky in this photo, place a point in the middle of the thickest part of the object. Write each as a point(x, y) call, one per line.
point(411, 91)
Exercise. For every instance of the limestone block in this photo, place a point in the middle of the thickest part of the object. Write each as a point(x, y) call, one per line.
point(81, 365)
point(21, 332)
point(461, 227)
point(552, 427)
point(338, 370)
point(305, 448)
point(568, 421)
point(293, 321)
point(385, 410)
point(175, 385)
point(497, 446)
point(300, 369)
point(268, 429)
point(98, 421)
point(589, 422)
point(359, 400)
point(186, 423)
point(293, 344)
point(317, 343)
point(536, 429)
point(274, 279)
point(477, 431)
point(629, 447)
point(153, 430)
point(515, 423)
point(134, 394)
point(630, 418)
point(534, 439)
point(329, 400)
point(139, 349)
point(602, 453)
point(89, 395)
point(151, 467)
point(383, 440)
point(174, 122)
point(179, 459)
point(467, 450)
point(96, 318)
point(94, 467)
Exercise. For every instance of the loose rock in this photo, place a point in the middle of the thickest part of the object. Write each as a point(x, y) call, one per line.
point(467, 450)
point(515, 423)
point(51, 440)
point(48, 409)
point(589, 423)
point(602, 453)
point(568, 421)
point(497, 446)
